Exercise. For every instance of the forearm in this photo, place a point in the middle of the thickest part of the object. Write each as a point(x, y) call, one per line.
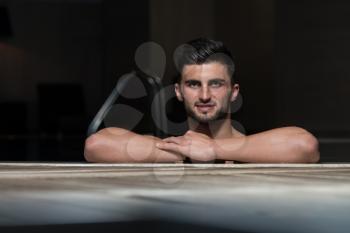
point(114, 145)
point(282, 145)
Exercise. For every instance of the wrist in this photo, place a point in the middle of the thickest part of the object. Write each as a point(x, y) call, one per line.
point(214, 147)
point(220, 150)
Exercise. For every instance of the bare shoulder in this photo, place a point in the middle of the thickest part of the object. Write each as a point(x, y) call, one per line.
point(120, 132)
point(236, 133)
point(286, 130)
point(292, 130)
point(114, 131)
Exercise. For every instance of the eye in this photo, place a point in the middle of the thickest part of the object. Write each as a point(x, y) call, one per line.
point(216, 83)
point(193, 84)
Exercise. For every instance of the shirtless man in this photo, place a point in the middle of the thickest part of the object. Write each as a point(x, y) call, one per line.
point(206, 87)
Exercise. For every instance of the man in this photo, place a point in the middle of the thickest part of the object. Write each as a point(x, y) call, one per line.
point(206, 87)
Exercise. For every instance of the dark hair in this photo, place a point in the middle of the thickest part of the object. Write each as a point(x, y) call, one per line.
point(201, 51)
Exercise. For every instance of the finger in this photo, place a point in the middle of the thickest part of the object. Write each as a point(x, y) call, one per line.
point(177, 140)
point(193, 133)
point(169, 146)
point(189, 132)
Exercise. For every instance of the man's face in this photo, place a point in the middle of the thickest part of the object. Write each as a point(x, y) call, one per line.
point(206, 91)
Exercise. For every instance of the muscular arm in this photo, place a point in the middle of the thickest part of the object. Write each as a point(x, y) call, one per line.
point(116, 145)
point(281, 145)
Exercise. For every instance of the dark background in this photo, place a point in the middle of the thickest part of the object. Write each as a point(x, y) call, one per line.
point(59, 60)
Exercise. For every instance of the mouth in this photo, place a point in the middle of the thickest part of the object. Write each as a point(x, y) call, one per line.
point(205, 107)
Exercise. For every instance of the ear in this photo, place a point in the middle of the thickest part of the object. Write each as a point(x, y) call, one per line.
point(235, 92)
point(178, 92)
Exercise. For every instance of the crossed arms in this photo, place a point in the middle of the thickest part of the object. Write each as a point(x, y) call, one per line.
point(281, 145)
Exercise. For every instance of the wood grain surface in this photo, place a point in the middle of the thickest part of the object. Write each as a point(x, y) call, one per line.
point(240, 197)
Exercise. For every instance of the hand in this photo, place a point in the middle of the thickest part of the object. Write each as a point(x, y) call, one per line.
point(197, 146)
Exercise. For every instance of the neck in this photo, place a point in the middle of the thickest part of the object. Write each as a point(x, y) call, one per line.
point(215, 129)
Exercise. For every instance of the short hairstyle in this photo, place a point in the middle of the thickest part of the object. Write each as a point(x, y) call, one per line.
point(203, 51)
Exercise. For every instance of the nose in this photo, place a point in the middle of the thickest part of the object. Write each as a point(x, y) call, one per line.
point(204, 94)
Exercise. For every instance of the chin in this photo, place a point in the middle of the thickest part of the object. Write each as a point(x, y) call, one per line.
point(205, 119)
point(202, 118)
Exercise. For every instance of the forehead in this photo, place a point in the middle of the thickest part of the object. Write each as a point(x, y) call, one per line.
point(205, 72)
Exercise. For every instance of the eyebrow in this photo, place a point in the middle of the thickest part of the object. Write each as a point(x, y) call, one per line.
point(192, 81)
point(217, 80)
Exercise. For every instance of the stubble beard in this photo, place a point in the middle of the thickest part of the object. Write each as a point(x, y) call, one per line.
point(206, 118)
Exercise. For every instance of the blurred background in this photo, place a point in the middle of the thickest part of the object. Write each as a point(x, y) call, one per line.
point(60, 60)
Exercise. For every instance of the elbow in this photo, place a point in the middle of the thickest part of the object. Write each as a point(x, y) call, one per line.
point(92, 145)
point(309, 148)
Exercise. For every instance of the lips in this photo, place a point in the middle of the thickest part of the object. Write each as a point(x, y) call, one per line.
point(205, 107)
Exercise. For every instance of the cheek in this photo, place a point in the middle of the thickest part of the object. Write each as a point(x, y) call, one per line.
point(189, 95)
point(223, 96)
